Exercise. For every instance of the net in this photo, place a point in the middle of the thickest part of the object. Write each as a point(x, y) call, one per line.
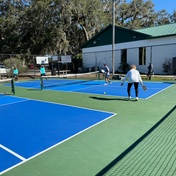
point(61, 80)
point(7, 86)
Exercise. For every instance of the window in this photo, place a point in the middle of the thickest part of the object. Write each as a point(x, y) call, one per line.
point(142, 56)
point(124, 56)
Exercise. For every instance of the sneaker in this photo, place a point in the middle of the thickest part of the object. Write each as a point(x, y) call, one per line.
point(105, 84)
point(136, 99)
point(129, 98)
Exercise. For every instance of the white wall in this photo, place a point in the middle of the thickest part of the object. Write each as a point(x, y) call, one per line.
point(160, 54)
point(157, 50)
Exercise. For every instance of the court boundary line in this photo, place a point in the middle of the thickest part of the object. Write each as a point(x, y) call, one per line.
point(74, 90)
point(115, 81)
point(51, 102)
point(12, 152)
point(84, 88)
point(57, 144)
point(6, 104)
point(160, 91)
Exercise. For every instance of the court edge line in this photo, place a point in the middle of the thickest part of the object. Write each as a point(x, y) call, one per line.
point(85, 88)
point(12, 152)
point(159, 91)
point(15, 102)
point(50, 102)
point(24, 161)
point(74, 91)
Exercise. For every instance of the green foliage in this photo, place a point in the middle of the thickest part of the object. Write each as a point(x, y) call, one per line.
point(52, 27)
point(124, 67)
point(167, 65)
point(17, 62)
point(49, 27)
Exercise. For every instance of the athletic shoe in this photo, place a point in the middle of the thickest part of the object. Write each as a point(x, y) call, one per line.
point(136, 99)
point(129, 98)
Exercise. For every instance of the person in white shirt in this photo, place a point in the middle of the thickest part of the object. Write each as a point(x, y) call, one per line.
point(133, 77)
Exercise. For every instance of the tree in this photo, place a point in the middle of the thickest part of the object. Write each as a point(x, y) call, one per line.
point(9, 20)
point(136, 14)
point(173, 17)
point(87, 18)
point(162, 18)
point(51, 27)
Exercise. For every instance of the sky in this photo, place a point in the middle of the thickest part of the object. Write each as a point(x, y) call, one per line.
point(168, 5)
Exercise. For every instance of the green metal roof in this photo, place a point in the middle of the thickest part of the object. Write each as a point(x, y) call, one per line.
point(122, 35)
point(158, 31)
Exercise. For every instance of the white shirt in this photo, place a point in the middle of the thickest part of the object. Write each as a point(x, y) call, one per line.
point(133, 75)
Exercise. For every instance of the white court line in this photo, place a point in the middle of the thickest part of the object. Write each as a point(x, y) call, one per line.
point(13, 153)
point(15, 102)
point(73, 90)
point(159, 91)
point(25, 160)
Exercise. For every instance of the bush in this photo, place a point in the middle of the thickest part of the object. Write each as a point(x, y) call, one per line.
point(124, 67)
point(15, 62)
point(167, 65)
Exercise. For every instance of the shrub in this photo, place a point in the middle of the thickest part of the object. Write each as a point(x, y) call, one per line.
point(15, 62)
point(124, 67)
point(167, 65)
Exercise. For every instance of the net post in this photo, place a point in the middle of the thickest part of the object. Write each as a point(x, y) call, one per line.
point(13, 86)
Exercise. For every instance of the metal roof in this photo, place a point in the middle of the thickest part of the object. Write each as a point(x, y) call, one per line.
point(158, 31)
point(104, 37)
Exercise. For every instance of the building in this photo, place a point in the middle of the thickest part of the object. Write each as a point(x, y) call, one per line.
point(140, 47)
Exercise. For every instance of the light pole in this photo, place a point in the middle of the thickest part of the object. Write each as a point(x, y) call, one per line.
point(113, 35)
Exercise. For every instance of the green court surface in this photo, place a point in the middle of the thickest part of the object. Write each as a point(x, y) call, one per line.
point(153, 154)
point(93, 150)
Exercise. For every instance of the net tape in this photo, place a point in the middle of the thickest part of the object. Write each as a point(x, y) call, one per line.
point(61, 80)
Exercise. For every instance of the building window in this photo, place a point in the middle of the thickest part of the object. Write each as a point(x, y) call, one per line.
point(124, 56)
point(142, 56)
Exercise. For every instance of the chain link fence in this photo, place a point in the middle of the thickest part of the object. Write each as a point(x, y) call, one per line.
point(27, 66)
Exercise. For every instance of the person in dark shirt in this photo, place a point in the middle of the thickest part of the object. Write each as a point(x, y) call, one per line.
point(150, 71)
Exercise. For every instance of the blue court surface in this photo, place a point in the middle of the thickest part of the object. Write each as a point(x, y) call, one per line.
point(30, 127)
point(96, 87)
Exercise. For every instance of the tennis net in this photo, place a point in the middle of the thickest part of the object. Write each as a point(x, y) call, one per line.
point(61, 80)
point(7, 86)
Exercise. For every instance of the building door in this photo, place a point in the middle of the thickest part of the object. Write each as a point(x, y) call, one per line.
point(173, 64)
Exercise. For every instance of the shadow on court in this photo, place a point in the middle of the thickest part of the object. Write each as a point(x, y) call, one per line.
point(152, 154)
point(33, 89)
point(110, 99)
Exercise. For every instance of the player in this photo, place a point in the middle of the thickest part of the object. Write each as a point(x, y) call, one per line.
point(15, 73)
point(150, 71)
point(133, 77)
point(42, 71)
point(106, 73)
